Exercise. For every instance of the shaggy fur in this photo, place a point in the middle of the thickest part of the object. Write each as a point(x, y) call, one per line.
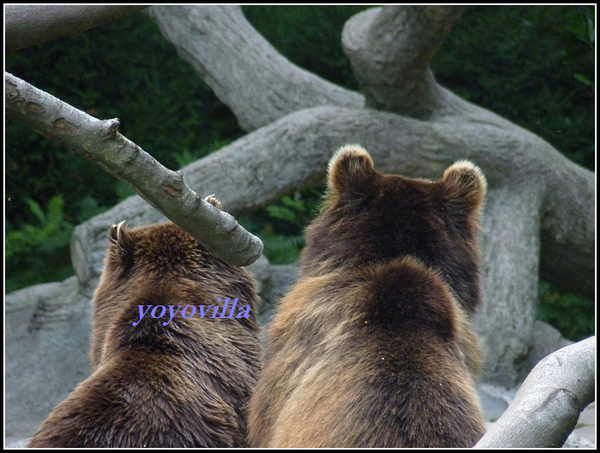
point(186, 384)
point(373, 346)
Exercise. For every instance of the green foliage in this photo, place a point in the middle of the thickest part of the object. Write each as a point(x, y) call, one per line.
point(40, 251)
point(308, 36)
point(571, 314)
point(123, 190)
point(186, 157)
point(281, 249)
point(290, 210)
point(281, 225)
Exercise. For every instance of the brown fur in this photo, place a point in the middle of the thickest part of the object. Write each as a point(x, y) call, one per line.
point(185, 384)
point(373, 346)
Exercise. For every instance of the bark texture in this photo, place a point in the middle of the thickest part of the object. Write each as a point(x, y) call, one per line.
point(26, 25)
point(547, 406)
point(390, 50)
point(165, 190)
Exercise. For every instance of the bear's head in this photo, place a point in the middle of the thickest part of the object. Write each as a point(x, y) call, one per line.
point(369, 217)
point(161, 264)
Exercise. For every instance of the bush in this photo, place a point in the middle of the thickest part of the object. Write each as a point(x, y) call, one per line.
point(281, 225)
point(49, 236)
point(571, 314)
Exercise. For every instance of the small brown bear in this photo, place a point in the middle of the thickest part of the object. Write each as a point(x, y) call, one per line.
point(373, 346)
point(162, 377)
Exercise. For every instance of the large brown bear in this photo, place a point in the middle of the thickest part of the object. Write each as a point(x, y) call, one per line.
point(373, 346)
point(164, 377)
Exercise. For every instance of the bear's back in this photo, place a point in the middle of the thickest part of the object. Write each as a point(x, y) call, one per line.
point(162, 379)
point(362, 368)
point(373, 346)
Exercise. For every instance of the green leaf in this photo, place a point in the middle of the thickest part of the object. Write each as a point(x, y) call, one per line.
point(584, 79)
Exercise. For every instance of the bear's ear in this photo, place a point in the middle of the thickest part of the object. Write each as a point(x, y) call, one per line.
point(121, 244)
point(350, 173)
point(465, 185)
point(212, 200)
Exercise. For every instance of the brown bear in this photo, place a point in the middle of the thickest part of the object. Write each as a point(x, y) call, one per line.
point(164, 375)
point(373, 346)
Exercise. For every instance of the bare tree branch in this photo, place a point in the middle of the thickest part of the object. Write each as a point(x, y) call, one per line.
point(165, 190)
point(257, 83)
point(390, 49)
point(26, 25)
point(547, 405)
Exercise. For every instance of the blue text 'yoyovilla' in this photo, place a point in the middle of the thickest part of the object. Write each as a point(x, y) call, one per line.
point(190, 310)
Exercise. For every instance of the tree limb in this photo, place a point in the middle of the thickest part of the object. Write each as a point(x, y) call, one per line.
point(547, 405)
point(390, 49)
point(256, 82)
point(293, 152)
point(26, 25)
point(165, 190)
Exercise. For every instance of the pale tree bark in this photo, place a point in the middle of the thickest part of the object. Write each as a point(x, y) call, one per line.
point(390, 50)
point(540, 213)
point(26, 25)
point(547, 405)
point(540, 209)
point(101, 143)
point(218, 42)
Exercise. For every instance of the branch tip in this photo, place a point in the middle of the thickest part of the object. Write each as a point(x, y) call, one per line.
point(113, 127)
